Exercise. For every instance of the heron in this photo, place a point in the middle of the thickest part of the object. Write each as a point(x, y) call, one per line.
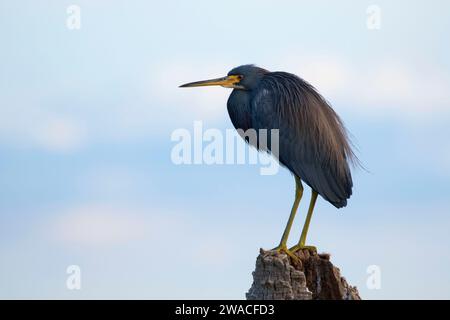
point(313, 144)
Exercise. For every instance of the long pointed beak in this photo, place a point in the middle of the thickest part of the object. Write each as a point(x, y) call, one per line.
point(227, 81)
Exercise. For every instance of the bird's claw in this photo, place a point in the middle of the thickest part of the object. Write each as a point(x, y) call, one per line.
point(298, 247)
point(284, 249)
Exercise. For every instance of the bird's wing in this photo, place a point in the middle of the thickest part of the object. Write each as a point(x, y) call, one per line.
point(312, 140)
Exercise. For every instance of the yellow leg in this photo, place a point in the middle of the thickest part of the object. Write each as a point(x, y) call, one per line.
point(298, 196)
point(302, 241)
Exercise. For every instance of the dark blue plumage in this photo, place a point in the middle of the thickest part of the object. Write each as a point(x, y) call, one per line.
point(313, 143)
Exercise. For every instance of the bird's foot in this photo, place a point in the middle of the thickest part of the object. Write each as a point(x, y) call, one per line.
point(283, 248)
point(298, 247)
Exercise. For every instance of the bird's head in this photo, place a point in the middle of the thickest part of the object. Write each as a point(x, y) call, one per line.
point(244, 77)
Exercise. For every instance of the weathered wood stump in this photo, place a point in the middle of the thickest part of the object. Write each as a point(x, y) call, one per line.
point(279, 277)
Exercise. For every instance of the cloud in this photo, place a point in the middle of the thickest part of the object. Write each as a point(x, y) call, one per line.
point(106, 225)
point(25, 123)
point(101, 226)
point(107, 180)
point(97, 225)
point(407, 90)
point(382, 87)
point(59, 134)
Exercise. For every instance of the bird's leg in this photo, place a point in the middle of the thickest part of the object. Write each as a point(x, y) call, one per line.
point(302, 241)
point(298, 196)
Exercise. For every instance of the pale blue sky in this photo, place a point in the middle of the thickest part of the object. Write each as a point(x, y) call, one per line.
point(85, 124)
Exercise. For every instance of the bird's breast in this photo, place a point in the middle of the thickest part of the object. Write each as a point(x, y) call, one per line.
point(239, 109)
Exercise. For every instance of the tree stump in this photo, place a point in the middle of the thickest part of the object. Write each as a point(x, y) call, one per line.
point(279, 277)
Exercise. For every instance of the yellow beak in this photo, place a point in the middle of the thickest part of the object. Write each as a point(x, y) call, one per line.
point(226, 82)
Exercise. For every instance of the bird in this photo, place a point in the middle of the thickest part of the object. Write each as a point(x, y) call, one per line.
point(314, 144)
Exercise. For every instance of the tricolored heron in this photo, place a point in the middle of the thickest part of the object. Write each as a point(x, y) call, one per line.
point(313, 142)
